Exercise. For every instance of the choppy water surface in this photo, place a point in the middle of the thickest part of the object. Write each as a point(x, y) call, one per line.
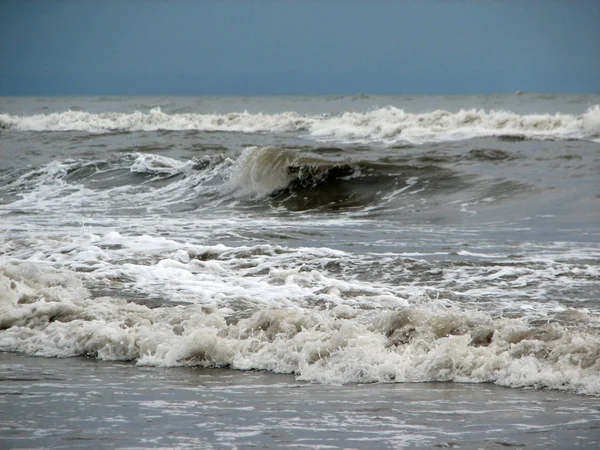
point(342, 240)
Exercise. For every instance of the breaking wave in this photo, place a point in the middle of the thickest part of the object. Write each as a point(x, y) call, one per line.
point(268, 176)
point(48, 312)
point(266, 171)
point(388, 125)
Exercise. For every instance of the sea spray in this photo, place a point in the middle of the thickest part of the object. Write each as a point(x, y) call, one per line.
point(389, 125)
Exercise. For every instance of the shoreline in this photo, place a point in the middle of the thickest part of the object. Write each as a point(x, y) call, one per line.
point(84, 403)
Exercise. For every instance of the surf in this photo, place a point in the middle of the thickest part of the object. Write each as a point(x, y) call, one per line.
point(50, 313)
point(386, 126)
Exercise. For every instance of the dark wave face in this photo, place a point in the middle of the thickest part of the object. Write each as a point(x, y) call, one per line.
point(483, 179)
point(341, 242)
point(361, 186)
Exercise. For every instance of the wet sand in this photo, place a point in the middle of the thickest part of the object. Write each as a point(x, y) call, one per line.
point(84, 403)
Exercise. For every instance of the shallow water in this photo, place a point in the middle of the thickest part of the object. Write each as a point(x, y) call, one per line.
point(81, 403)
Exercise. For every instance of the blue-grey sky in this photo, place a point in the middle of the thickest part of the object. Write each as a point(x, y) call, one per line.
point(252, 47)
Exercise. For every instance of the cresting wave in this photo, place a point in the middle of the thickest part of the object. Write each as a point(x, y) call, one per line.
point(265, 171)
point(298, 181)
point(388, 125)
point(48, 312)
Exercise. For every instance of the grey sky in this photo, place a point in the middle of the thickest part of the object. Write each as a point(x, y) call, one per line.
point(237, 47)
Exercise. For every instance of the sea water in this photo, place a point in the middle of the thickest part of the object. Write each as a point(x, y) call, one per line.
point(350, 253)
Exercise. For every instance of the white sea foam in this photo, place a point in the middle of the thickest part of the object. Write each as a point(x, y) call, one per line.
point(257, 173)
point(274, 276)
point(156, 164)
point(256, 307)
point(177, 259)
point(47, 188)
point(384, 125)
point(48, 312)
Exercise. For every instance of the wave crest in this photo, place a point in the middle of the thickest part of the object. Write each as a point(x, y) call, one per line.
point(422, 341)
point(387, 125)
point(265, 171)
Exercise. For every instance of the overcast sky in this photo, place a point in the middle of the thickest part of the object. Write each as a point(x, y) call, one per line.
point(250, 47)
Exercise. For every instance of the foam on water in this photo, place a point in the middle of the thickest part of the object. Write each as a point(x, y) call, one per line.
point(159, 165)
point(472, 261)
point(76, 186)
point(48, 312)
point(156, 183)
point(259, 307)
point(387, 125)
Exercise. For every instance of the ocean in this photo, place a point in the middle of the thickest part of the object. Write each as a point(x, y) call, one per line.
point(304, 272)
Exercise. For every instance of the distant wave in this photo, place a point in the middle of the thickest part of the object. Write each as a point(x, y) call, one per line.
point(388, 125)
